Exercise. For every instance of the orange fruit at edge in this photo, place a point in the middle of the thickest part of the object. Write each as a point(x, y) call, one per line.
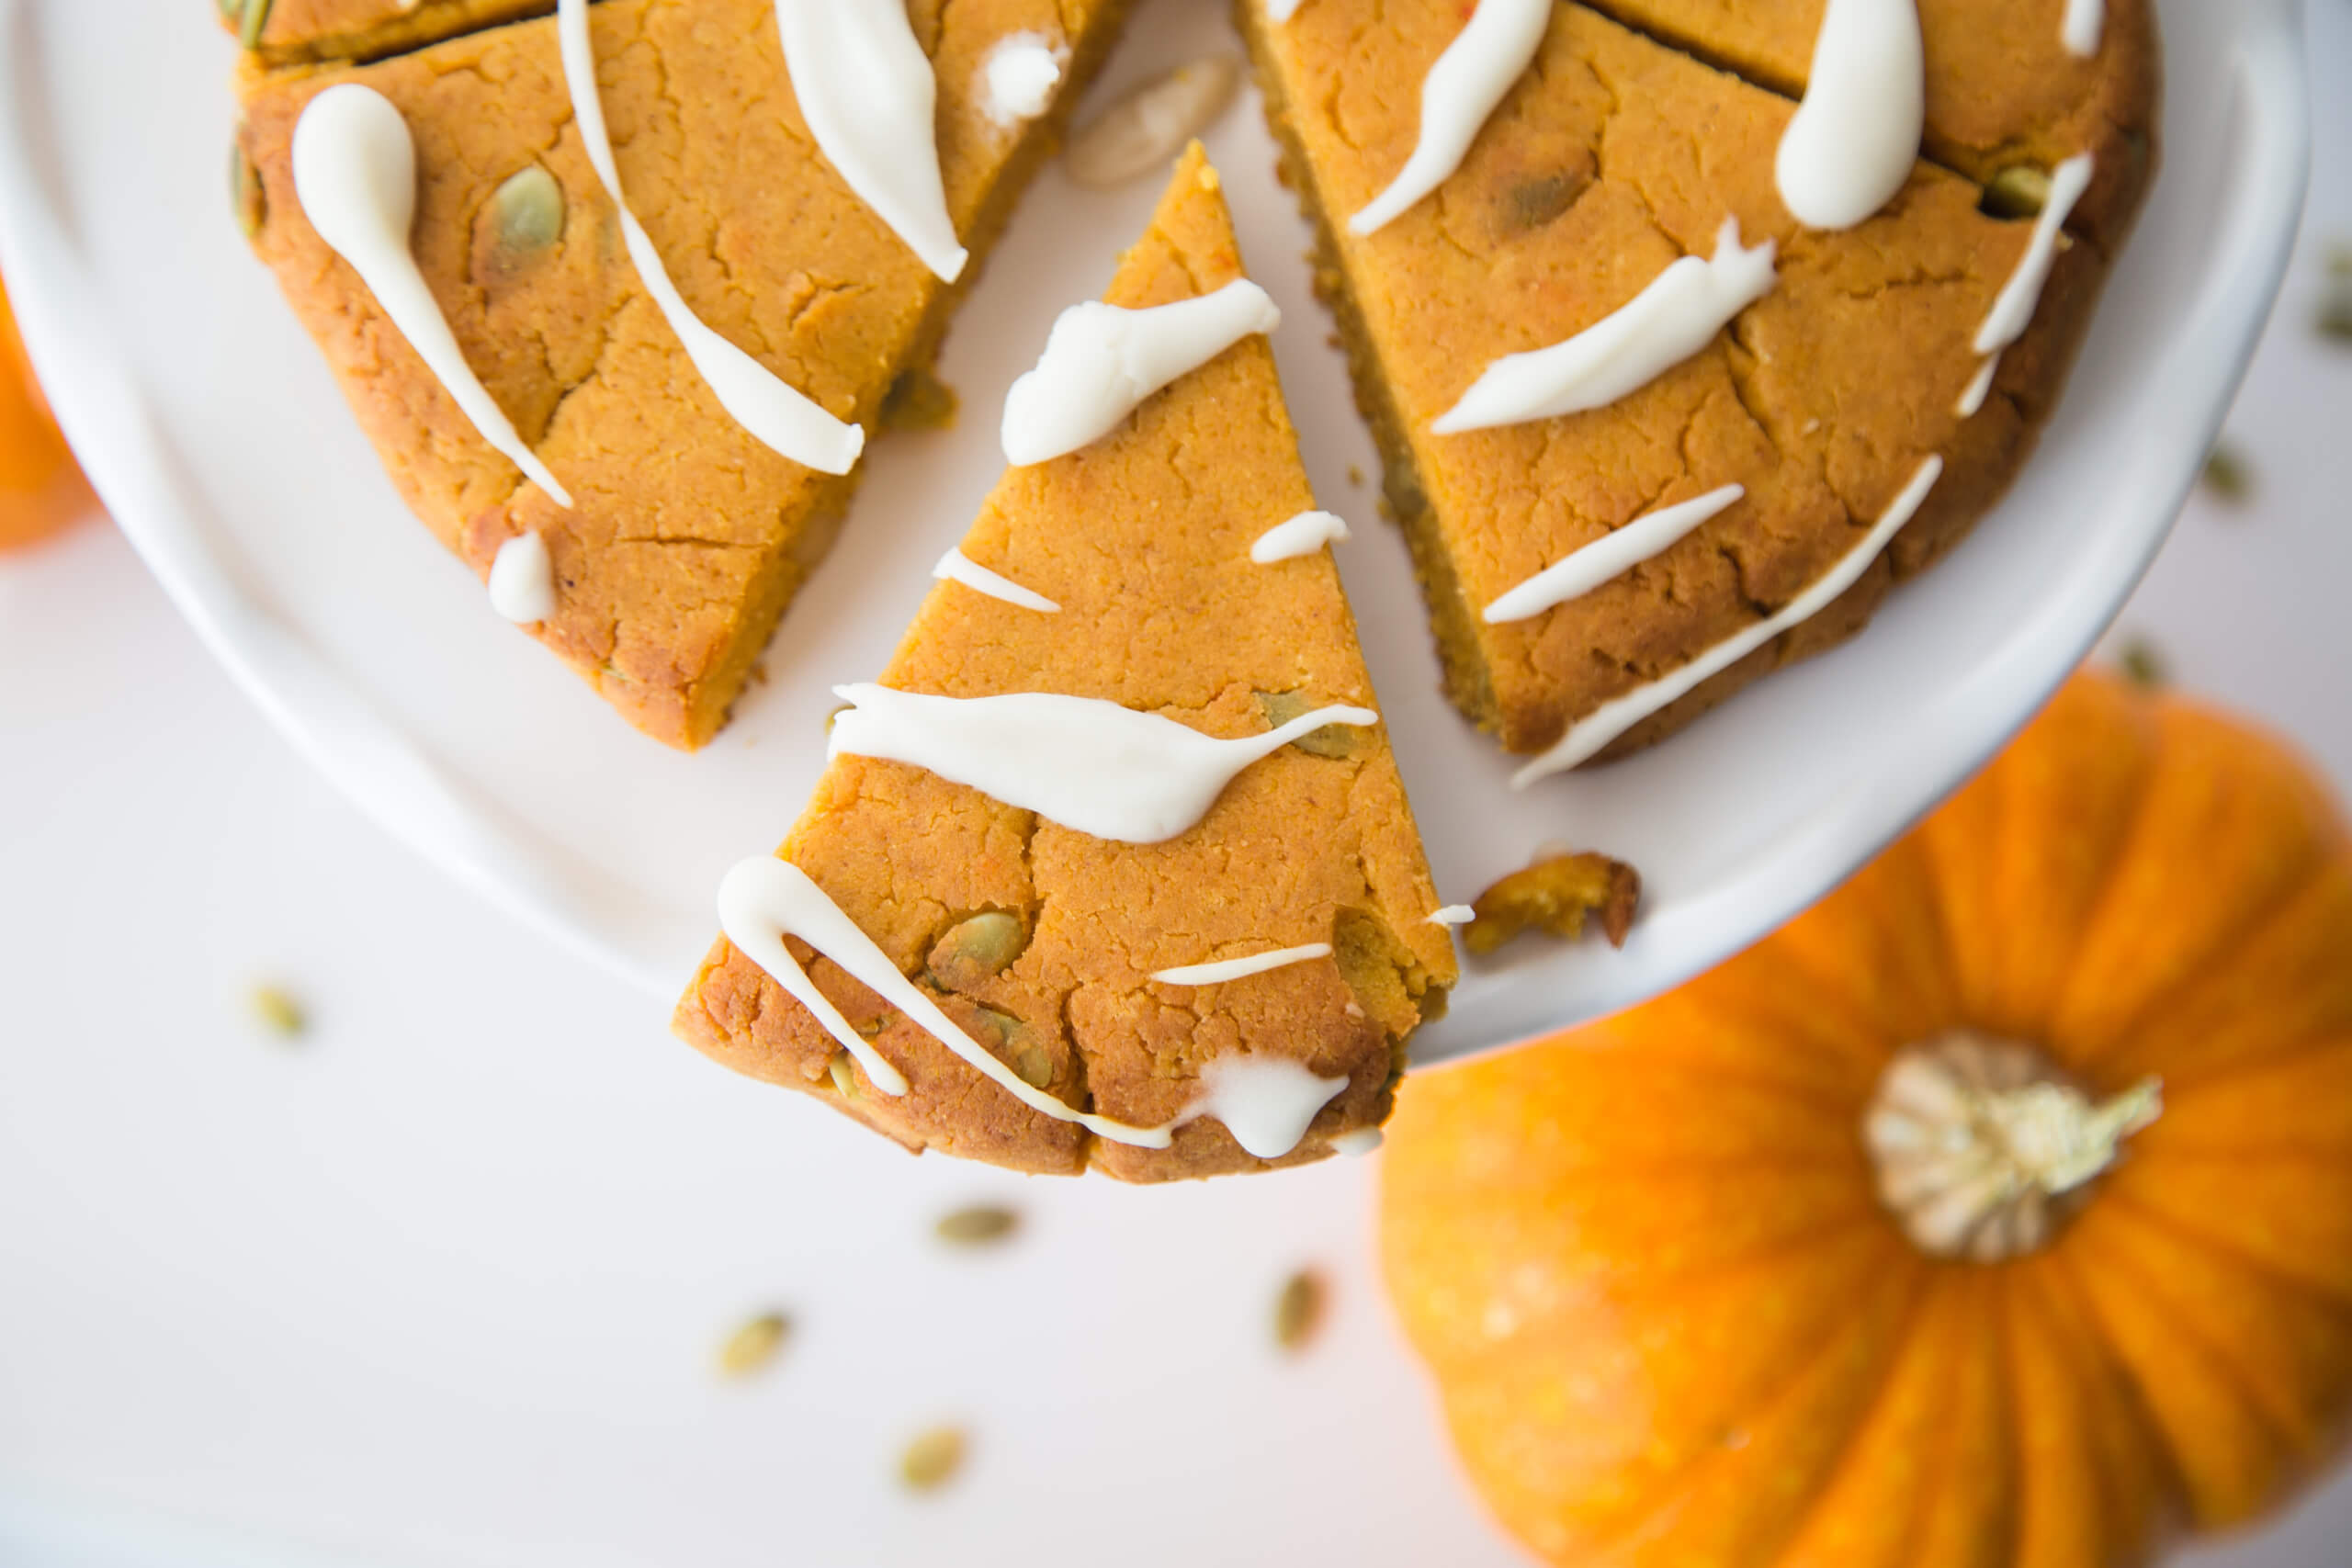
point(41, 487)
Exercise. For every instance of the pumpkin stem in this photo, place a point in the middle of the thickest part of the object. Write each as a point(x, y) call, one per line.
point(1984, 1146)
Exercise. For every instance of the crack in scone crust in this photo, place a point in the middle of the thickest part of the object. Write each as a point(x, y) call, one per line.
point(1616, 155)
point(689, 537)
point(1144, 539)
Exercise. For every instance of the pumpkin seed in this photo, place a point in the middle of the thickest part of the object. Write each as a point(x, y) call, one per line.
point(1298, 1311)
point(1336, 741)
point(1144, 130)
point(1014, 1041)
point(982, 1224)
point(977, 950)
point(527, 216)
point(2143, 664)
point(844, 1077)
point(278, 1012)
point(932, 1460)
point(255, 19)
point(754, 1345)
point(2019, 191)
point(1537, 201)
point(2227, 474)
point(2335, 319)
point(246, 198)
point(920, 401)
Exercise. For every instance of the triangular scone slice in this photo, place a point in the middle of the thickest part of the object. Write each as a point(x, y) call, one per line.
point(1852, 381)
point(1143, 540)
point(689, 537)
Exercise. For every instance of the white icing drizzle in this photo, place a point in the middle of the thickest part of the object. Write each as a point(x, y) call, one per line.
point(1362, 1141)
point(1302, 536)
point(1018, 79)
point(522, 579)
point(2013, 311)
point(1267, 1103)
point(1281, 11)
point(1218, 972)
point(1612, 720)
point(1980, 388)
point(1582, 571)
point(2085, 20)
point(355, 173)
point(1493, 50)
point(1453, 915)
point(764, 900)
point(1100, 362)
point(1853, 141)
point(1674, 318)
point(777, 414)
point(870, 97)
point(1088, 764)
point(957, 567)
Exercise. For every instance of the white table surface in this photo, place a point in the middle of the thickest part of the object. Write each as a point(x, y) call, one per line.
point(441, 1284)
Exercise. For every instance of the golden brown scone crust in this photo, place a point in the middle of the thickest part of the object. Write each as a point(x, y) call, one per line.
point(2002, 87)
point(689, 537)
point(1612, 159)
point(1144, 539)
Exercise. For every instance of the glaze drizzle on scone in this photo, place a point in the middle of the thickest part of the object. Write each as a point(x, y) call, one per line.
point(781, 416)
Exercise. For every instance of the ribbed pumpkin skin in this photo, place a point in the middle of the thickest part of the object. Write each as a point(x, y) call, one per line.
point(41, 486)
point(1672, 1325)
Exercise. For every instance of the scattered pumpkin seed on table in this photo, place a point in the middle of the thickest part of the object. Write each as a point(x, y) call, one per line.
point(1298, 1311)
point(754, 1346)
point(2227, 474)
point(981, 1224)
point(2143, 664)
point(2335, 319)
point(277, 1012)
point(1149, 125)
point(933, 1458)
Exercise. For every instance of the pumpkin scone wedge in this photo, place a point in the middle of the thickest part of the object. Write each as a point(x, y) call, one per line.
point(607, 292)
point(1174, 919)
point(1997, 1210)
point(1651, 432)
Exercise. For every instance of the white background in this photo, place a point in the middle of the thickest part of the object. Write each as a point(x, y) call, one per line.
point(442, 1283)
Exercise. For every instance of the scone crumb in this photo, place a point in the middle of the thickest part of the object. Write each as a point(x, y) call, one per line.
point(1554, 896)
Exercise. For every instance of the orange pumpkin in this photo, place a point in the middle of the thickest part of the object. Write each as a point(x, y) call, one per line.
point(1997, 1211)
point(41, 489)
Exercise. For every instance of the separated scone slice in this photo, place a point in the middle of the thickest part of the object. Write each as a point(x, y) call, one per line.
point(1114, 867)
